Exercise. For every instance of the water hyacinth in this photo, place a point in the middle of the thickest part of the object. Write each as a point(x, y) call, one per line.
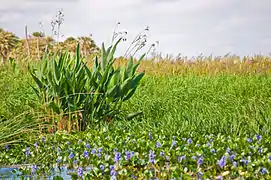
point(80, 172)
point(27, 151)
point(88, 146)
point(151, 157)
point(244, 161)
point(264, 170)
point(102, 167)
point(43, 139)
point(213, 151)
point(162, 153)
point(6, 147)
point(85, 155)
point(34, 169)
point(231, 157)
point(249, 140)
point(68, 143)
point(74, 162)
point(158, 144)
point(174, 143)
point(259, 137)
point(150, 135)
point(189, 141)
point(222, 162)
point(128, 155)
point(228, 150)
point(200, 161)
point(71, 155)
point(117, 157)
point(93, 151)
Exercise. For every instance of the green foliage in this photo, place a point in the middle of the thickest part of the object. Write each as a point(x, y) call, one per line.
point(143, 154)
point(66, 85)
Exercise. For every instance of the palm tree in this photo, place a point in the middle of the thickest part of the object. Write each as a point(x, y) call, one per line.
point(8, 42)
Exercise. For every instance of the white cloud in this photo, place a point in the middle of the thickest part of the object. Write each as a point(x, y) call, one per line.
point(189, 27)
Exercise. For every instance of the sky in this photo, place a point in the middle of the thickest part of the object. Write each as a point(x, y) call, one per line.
point(188, 27)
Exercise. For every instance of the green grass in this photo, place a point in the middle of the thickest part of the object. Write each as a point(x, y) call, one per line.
point(228, 104)
point(225, 104)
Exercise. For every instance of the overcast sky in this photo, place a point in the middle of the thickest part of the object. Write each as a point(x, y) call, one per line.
point(189, 27)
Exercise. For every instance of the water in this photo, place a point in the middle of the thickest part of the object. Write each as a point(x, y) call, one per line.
point(8, 173)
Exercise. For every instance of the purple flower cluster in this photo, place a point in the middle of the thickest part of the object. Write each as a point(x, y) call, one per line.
point(222, 162)
point(27, 151)
point(117, 157)
point(80, 172)
point(151, 157)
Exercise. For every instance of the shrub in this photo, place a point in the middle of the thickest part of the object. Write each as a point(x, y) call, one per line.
point(80, 96)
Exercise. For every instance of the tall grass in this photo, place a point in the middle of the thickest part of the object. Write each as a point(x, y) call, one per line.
point(222, 96)
point(227, 104)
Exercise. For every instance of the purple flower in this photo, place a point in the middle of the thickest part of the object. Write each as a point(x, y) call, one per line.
point(85, 154)
point(259, 137)
point(194, 157)
point(200, 161)
point(269, 158)
point(183, 157)
point(6, 147)
point(100, 150)
point(111, 167)
point(234, 163)
point(58, 160)
point(113, 173)
point(117, 157)
point(80, 172)
point(211, 140)
point(219, 178)
point(74, 162)
point(260, 150)
point(93, 151)
point(162, 153)
point(264, 170)
point(249, 140)
point(212, 151)
point(173, 143)
point(102, 167)
point(189, 141)
point(88, 146)
point(34, 169)
point(244, 161)
point(116, 149)
point(208, 144)
point(228, 150)
point(99, 155)
point(71, 155)
point(222, 162)
point(167, 158)
point(27, 151)
point(200, 173)
point(128, 155)
point(36, 145)
point(68, 143)
point(43, 139)
point(133, 176)
point(150, 135)
point(231, 157)
point(151, 157)
point(58, 149)
point(158, 144)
